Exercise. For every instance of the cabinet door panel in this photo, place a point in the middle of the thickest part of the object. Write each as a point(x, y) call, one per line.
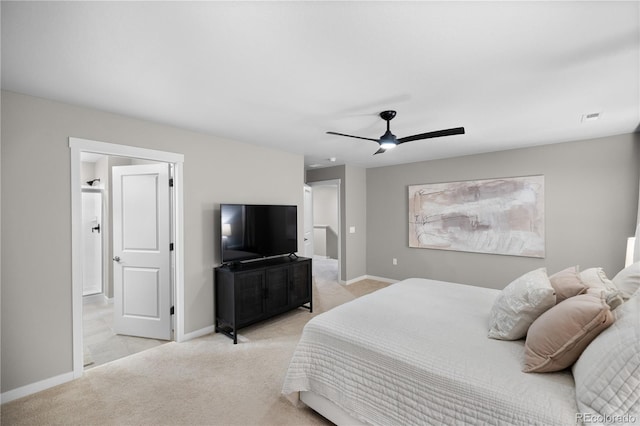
point(301, 283)
point(249, 295)
point(278, 288)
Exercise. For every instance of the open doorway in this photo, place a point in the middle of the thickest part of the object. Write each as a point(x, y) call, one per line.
point(137, 158)
point(103, 341)
point(326, 230)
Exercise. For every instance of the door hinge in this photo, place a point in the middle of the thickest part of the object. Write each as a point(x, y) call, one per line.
point(170, 246)
point(171, 182)
point(172, 311)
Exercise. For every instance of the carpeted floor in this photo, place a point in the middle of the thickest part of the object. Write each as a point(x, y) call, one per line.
point(206, 381)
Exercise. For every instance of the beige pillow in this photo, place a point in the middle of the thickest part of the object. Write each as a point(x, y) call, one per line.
point(557, 338)
point(628, 280)
point(567, 283)
point(597, 281)
point(519, 304)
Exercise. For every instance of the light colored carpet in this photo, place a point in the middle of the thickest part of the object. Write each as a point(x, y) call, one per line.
point(206, 381)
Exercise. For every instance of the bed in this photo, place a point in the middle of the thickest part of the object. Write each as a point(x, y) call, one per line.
point(417, 352)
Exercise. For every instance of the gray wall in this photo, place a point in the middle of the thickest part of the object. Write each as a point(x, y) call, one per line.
point(353, 212)
point(36, 257)
point(591, 197)
point(356, 216)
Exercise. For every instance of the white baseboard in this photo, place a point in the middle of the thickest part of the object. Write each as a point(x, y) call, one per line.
point(383, 279)
point(27, 390)
point(198, 333)
point(369, 277)
point(354, 280)
point(93, 298)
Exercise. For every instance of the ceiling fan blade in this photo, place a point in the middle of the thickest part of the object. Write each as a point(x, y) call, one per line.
point(380, 151)
point(436, 134)
point(351, 136)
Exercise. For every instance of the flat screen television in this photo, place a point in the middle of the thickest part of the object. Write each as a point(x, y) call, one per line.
point(254, 231)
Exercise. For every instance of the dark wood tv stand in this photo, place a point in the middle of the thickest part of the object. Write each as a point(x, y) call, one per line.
point(254, 291)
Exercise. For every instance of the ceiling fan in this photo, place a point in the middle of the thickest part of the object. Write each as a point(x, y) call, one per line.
point(389, 140)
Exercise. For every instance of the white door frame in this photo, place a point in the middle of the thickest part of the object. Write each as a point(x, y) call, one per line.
point(305, 222)
point(77, 146)
point(336, 183)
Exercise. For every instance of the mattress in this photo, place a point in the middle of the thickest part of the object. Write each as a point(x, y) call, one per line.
point(417, 352)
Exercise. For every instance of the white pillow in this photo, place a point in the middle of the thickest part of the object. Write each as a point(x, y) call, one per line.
point(519, 304)
point(596, 277)
point(628, 280)
point(597, 281)
point(607, 374)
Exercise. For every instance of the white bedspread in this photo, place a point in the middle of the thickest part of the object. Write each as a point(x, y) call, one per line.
point(417, 352)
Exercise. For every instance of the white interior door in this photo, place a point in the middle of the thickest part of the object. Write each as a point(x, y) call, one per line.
point(308, 221)
point(141, 262)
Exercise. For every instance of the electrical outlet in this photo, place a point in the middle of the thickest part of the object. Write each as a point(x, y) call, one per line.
point(352, 229)
point(395, 261)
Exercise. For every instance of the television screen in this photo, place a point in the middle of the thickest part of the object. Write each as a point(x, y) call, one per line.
point(251, 231)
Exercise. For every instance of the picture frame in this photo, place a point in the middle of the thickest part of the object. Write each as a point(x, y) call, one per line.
point(498, 216)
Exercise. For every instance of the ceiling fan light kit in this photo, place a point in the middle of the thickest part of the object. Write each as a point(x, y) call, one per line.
point(389, 140)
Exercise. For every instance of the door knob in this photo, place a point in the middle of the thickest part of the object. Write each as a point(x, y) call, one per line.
point(117, 258)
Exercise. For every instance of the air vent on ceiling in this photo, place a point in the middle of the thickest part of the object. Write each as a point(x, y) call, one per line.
point(591, 117)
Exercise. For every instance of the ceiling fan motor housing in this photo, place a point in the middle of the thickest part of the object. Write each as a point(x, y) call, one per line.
point(387, 115)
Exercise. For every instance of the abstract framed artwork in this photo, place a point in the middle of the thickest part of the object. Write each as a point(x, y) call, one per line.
point(496, 216)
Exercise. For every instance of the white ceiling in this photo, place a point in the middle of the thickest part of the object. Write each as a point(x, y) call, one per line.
point(281, 74)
